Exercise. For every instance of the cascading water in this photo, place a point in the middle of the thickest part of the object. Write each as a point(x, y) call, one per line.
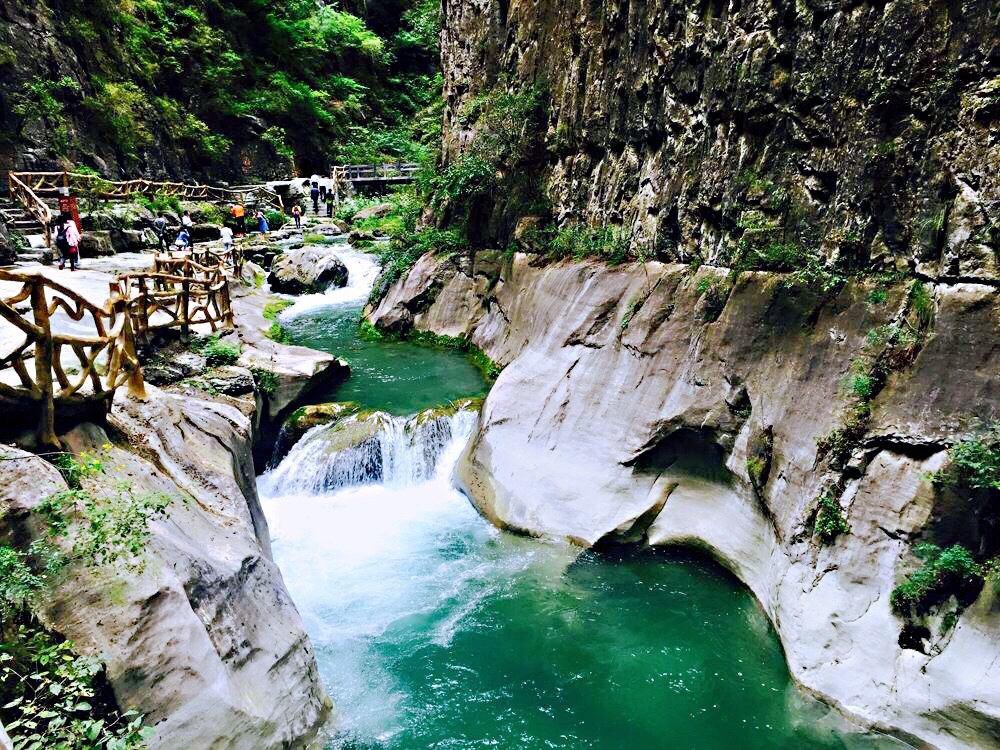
point(434, 629)
point(392, 450)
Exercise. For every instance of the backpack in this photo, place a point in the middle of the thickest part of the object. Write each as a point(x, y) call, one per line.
point(61, 242)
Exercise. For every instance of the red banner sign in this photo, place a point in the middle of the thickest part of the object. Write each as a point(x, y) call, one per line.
point(67, 205)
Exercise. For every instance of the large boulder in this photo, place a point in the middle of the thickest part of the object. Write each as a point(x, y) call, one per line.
point(307, 270)
point(373, 212)
point(205, 232)
point(96, 244)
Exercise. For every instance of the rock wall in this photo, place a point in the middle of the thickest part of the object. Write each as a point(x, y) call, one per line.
point(204, 639)
point(862, 130)
point(624, 414)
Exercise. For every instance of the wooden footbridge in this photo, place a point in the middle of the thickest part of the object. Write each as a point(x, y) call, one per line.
point(38, 193)
point(361, 176)
point(67, 356)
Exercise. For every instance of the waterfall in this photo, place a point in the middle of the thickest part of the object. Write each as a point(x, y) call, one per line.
point(369, 448)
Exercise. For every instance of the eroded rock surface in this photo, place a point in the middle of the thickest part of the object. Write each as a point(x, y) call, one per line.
point(204, 639)
point(624, 415)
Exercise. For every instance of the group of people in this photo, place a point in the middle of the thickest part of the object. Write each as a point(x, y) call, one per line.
point(320, 192)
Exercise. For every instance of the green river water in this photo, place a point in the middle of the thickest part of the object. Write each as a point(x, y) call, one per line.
point(435, 630)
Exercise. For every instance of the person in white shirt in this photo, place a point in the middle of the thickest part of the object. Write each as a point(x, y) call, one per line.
point(227, 239)
point(186, 221)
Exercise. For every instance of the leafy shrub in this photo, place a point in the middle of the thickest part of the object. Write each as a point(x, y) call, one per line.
point(161, 202)
point(945, 573)
point(830, 522)
point(275, 219)
point(581, 241)
point(51, 698)
point(313, 239)
point(277, 333)
point(219, 353)
point(921, 304)
point(878, 296)
point(267, 381)
point(975, 462)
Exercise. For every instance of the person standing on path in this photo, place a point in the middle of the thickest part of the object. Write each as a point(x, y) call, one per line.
point(314, 194)
point(297, 215)
point(329, 204)
point(227, 241)
point(160, 230)
point(239, 213)
point(262, 225)
point(68, 241)
point(186, 221)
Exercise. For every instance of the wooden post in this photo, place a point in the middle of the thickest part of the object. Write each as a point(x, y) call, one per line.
point(44, 350)
point(185, 299)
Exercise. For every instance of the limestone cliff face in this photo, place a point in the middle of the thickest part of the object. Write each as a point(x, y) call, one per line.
point(624, 414)
point(205, 640)
point(862, 130)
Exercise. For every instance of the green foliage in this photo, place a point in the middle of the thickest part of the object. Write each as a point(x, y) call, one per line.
point(755, 468)
point(921, 304)
point(275, 219)
point(313, 239)
point(634, 305)
point(580, 241)
point(975, 462)
point(209, 213)
point(219, 353)
point(878, 297)
point(945, 573)
point(51, 698)
point(18, 583)
point(830, 522)
point(267, 381)
point(42, 102)
point(273, 308)
point(122, 112)
point(278, 334)
point(369, 332)
point(161, 202)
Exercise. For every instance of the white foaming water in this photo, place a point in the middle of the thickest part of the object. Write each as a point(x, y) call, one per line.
point(396, 451)
point(362, 270)
point(364, 562)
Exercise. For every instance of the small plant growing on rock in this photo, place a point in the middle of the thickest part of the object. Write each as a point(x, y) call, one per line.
point(975, 462)
point(716, 293)
point(945, 573)
point(267, 381)
point(220, 353)
point(830, 521)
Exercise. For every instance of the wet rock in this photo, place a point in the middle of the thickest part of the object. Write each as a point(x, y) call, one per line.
point(231, 380)
point(205, 232)
point(308, 270)
point(361, 237)
point(304, 419)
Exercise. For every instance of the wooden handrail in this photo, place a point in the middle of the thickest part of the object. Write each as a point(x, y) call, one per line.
point(29, 187)
point(52, 385)
point(32, 204)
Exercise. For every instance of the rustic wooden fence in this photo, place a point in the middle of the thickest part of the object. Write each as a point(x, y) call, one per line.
point(34, 376)
point(32, 203)
point(178, 293)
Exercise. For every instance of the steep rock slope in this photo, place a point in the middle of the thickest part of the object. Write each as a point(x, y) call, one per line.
point(204, 639)
point(862, 131)
point(626, 414)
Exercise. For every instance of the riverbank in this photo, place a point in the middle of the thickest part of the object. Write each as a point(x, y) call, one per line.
point(627, 413)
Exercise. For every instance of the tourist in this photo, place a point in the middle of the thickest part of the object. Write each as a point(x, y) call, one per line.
point(329, 204)
point(160, 230)
point(183, 240)
point(314, 194)
point(239, 213)
point(262, 225)
point(227, 240)
point(68, 242)
point(186, 220)
point(297, 215)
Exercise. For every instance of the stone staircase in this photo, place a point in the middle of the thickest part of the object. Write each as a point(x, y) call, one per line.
point(18, 221)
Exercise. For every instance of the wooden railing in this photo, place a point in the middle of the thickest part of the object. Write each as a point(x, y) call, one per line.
point(32, 203)
point(49, 384)
point(49, 184)
point(395, 171)
point(177, 293)
point(31, 189)
point(230, 260)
